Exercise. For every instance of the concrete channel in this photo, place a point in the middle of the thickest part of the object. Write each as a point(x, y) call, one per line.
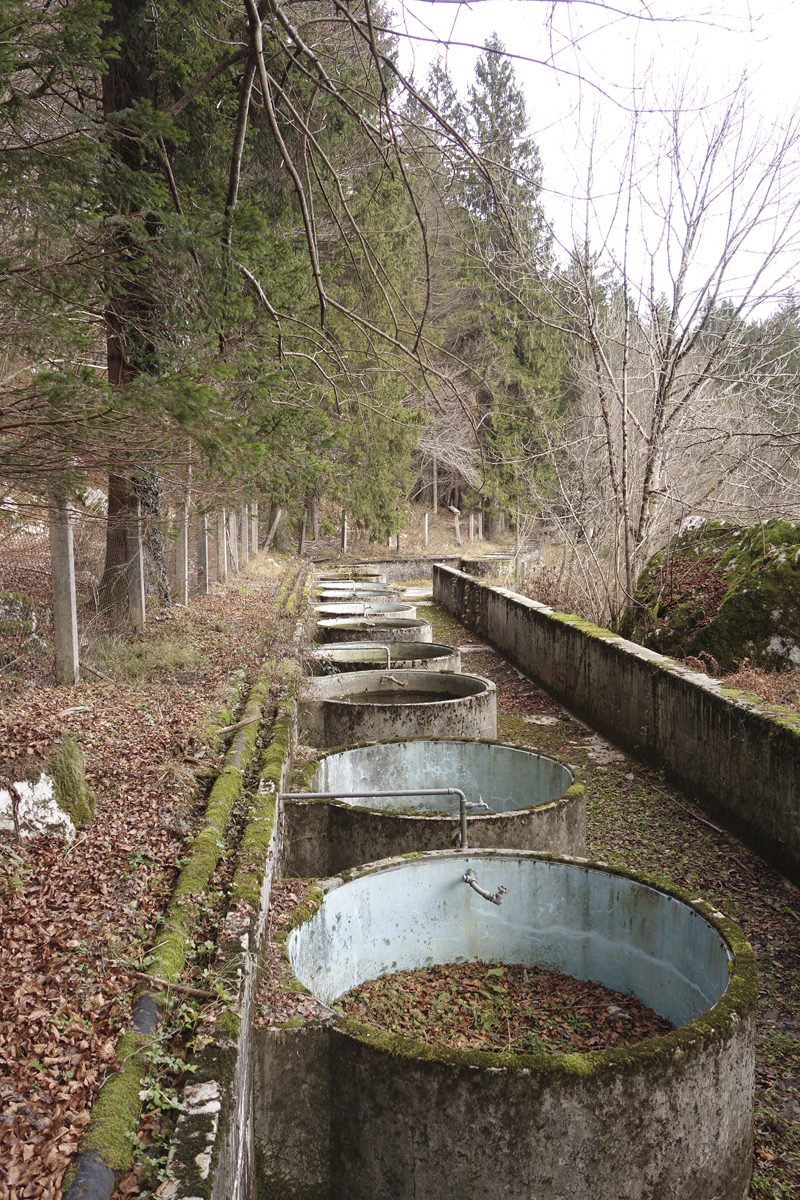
point(394, 1118)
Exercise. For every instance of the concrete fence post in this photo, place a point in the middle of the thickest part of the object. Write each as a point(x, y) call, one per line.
point(457, 518)
point(133, 538)
point(202, 554)
point(65, 607)
point(233, 545)
point(182, 556)
point(344, 532)
point(254, 528)
point(480, 526)
point(245, 532)
point(472, 527)
point(222, 554)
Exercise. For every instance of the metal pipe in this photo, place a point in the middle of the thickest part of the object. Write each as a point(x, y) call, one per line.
point(463, 802)
point(494, 897)
point(367, 646)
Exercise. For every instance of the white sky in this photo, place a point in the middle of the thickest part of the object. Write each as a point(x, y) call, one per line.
point(592, 56)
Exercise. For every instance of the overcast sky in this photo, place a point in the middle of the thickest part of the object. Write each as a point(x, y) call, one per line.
point(592, 56)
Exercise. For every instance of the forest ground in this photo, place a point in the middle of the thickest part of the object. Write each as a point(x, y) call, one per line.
point(76, 922)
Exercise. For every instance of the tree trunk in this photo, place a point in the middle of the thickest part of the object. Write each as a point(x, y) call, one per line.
point(113, 592)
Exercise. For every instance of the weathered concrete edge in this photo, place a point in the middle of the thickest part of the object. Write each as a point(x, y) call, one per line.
point(211, 1154)
point(654, 707)
point(106, 1141)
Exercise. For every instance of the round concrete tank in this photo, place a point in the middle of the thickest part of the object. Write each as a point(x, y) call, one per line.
point(668, 1119)
point(366, 608)
point(533, 801)
point(335, 657)
point(338, 710)
point(375, 629)
point(352, 584)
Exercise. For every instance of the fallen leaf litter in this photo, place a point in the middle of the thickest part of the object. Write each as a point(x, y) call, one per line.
point(76, 925)
point(501, 1007)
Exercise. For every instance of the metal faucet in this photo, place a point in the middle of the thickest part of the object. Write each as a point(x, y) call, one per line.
point(494, 897)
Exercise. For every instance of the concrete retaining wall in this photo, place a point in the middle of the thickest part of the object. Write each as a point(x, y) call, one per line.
point(736, 754)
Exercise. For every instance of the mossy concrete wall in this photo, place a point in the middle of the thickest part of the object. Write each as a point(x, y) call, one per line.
point(736, 754)
point(404, 1127)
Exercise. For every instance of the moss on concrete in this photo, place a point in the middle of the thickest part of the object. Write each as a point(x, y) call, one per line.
point(228, 1025)
point(260, 827)
point(226, 715)
point(169, 954)
point(67, 767)
point(304, 912)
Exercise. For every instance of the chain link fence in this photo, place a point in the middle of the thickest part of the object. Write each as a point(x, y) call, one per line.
point(26, 583)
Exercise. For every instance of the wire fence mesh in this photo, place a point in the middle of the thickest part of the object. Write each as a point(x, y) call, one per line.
point(26, 583)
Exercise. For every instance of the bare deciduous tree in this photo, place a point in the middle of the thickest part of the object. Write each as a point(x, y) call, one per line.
point(668, 414)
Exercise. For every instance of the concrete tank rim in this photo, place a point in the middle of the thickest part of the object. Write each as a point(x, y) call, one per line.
point(425, 676)
point(377, 620)
point(320, 649)
point(736, 1006)
point(574, 790)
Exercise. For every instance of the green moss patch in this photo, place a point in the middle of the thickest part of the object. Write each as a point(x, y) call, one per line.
point(67, 767)
point(116, 1111)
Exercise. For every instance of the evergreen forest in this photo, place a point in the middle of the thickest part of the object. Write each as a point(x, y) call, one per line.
point(244, 253)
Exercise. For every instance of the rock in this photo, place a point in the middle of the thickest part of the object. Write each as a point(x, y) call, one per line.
point(67, 767)
point(723, 592)
point(52, 797)
point(37, 810)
